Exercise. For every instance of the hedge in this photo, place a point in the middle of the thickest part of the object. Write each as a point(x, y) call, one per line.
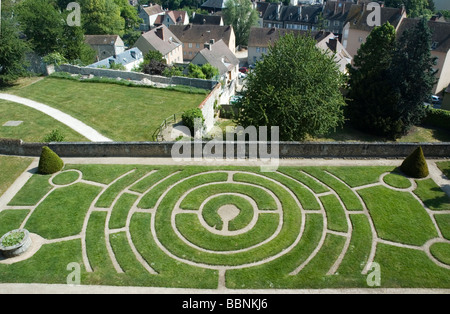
point(438, 118)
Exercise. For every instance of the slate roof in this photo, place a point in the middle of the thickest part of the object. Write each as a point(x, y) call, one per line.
point(152, 10)
point(357, 17)
point(203, 19)
point(164, 45)
point(96, 40)
point(291, 13)
point(214, 4)
point(201, 33)
point(336, 10)
point(219, 56)
point(263, 37)
point(126, 57)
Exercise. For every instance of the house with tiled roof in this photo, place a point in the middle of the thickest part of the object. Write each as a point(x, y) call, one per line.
point(194, 37)
point(219, 56)
point(302, 17)
point(172, 18)
point(213, 6)
point(105, 46)
point(203, 19)
point(334, 15)
point(261, 39)
point(357, 28)
point(163, 40)
point(440, 49)
point(149, 14)
point(129, 59)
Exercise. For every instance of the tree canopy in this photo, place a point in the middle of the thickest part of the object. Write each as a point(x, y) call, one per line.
point(296, 87)
point(390, 80)
point(241, 15)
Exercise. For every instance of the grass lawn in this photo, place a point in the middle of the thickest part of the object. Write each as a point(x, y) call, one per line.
point(10, 169)
point(165, 225)
point(35, 124)
point(445, 167)
point(121, 113)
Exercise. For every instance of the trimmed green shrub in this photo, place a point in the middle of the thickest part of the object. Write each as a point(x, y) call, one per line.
point(438, 118)
point(189, 117)
point(415, 164)
point(49, 162)
point(54, 136)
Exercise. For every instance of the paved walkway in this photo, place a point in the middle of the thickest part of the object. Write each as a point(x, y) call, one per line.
point(62, 117)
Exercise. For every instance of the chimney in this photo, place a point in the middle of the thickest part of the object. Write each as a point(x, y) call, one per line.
point(160, 33)
point(207, 46)
point(212, 41)
point(333, 44)
point(193, 15)
point(278, 10)
point(335, 7)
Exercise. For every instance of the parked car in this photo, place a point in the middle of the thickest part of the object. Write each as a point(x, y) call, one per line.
point(435, 99)
point(243, 70)
point(242, 75)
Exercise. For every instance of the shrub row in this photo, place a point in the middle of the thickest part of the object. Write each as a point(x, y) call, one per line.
point(438, 118)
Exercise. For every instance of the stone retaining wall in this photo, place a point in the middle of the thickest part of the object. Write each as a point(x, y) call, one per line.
point(137, 76)
point(286, 149)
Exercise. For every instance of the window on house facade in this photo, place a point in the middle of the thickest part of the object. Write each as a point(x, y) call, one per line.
point(258, 49)
point(197, 45)
point(190, 45)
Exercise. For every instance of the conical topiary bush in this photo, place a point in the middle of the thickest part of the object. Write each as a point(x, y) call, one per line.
point(415, 164)
point(49, 162)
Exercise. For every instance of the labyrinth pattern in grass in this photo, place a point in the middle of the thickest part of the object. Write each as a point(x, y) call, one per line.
point(235, 227)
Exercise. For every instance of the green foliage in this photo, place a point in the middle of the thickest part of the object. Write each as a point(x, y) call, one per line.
point(370, 93)
point(438, 118)
point(195, 71)
point(209, 71)
point(296, 87)
point(13, 238)
point(33, 15)
point(173, 71)
point(56, 36)
point(189, 117)
point(415, 164)
point(54, 58)
point(154, 55)
point(101, 17)
point(54, 136)
point(390, 81)
point(241, 15)
point(154, 63)
point(49, 162)
point(12, 50)
point(414, 8)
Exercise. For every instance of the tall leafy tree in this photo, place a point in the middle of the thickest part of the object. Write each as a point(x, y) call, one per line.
point(391, 80)
point(101, 17)
point(371, 94)
point(42, 24)
point(295, 87)
point(242, 16)
point(12, 47)
point(413, 73)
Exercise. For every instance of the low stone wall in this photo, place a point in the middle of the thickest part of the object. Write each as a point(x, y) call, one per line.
point(286, 149)
point(137, 76)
